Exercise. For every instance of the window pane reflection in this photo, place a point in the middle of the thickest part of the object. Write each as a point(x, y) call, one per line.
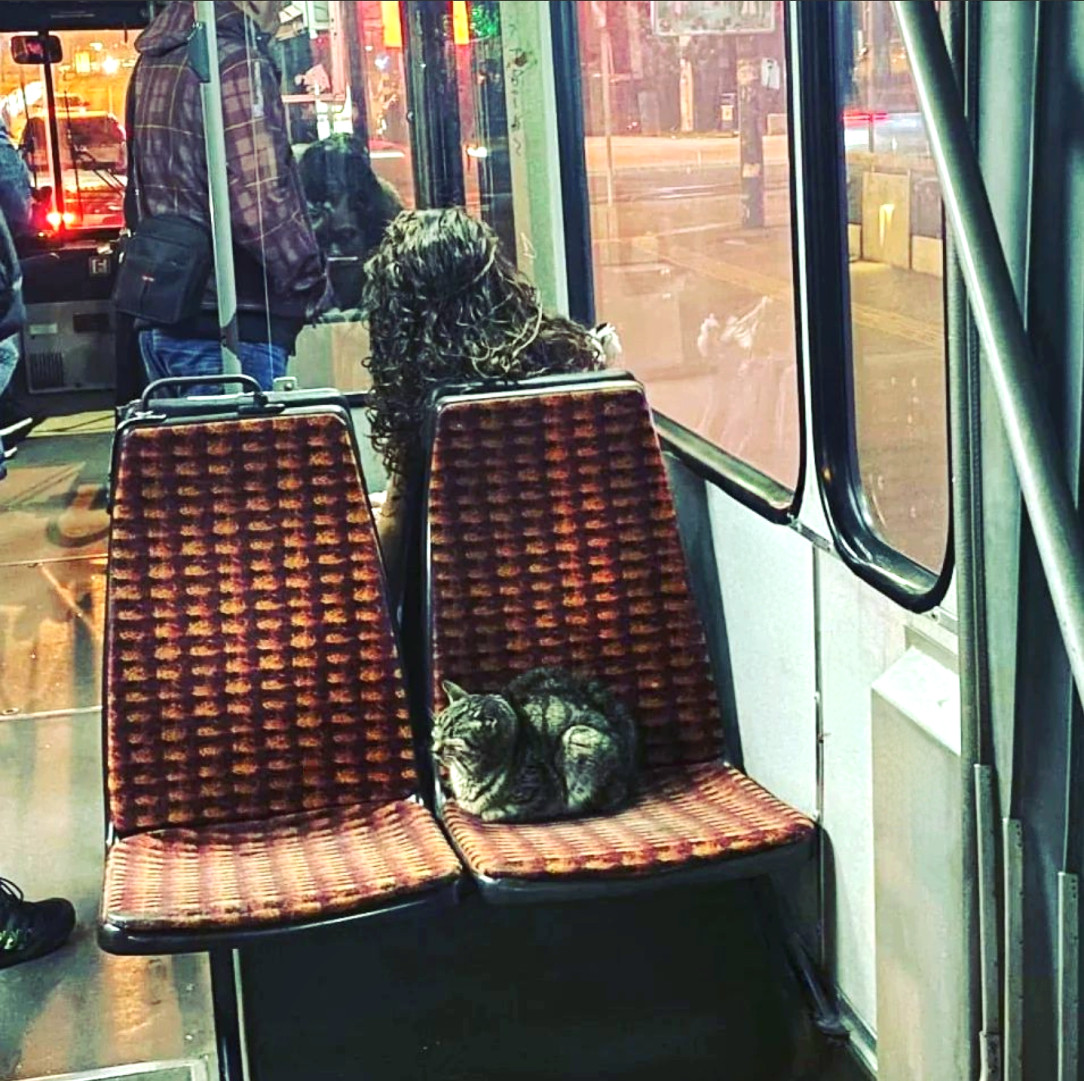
point(895, 235)
point(685, 116)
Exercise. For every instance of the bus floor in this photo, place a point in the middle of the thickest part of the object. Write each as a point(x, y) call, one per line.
point(672, 985)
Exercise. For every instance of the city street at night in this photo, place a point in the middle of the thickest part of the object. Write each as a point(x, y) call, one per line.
point(672, 259)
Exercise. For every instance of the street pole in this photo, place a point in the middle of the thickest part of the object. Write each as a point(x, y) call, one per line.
point(203, 55)
point(606, 49)
point(750, 132)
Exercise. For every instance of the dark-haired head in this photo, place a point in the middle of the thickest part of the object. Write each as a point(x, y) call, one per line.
point(444, 305)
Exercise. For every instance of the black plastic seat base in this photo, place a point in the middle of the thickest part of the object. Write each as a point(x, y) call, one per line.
point(521, 891)
point(118, 940)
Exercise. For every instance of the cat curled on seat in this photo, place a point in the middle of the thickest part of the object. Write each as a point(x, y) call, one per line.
point(549, 745)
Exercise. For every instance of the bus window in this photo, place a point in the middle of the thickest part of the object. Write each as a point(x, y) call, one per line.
point(688, 163)
point(90, 82)
point(344, 89)
point(896, 239)
point(342, 74)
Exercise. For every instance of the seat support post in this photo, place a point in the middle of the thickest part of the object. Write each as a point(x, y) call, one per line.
point(823, 1011)
point(227, 1015)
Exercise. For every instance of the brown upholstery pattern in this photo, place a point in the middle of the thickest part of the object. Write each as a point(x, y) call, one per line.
point(681, 816)
point(252, 874)
point(251, 668)
point(554, 542)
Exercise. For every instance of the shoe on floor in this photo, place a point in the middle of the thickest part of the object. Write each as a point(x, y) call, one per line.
point(30, 929)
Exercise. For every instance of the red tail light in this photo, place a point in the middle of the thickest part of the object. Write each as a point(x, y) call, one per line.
point(57, 221)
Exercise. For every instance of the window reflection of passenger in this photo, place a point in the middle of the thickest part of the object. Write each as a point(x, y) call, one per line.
point(444, 305)
point(281, 279)
point(350, 208)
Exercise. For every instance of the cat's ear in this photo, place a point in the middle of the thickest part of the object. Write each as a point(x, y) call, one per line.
point(453, 691)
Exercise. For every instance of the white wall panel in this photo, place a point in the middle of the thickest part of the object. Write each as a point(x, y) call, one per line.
point(861, 636)
point(766, 578)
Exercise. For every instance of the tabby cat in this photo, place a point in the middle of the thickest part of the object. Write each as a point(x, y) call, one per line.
point(550, 745)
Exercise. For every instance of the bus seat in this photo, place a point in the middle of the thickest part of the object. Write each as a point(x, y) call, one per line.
point(552, 540)
point(260, 769)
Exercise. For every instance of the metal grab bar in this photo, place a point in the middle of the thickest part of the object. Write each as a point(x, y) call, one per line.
point(214, 134)
point(1028, 423)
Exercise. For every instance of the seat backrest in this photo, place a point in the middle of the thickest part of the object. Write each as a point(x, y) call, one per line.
point(553, 541)
point(251, 668)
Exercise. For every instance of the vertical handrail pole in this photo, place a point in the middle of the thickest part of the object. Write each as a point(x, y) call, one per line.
point(1029, 426)
point(205, 63)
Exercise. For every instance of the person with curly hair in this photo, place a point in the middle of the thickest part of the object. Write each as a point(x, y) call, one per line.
point(444, 305)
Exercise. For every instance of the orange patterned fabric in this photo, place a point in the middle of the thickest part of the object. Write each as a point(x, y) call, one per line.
point(681, 816)
point(251, 668)
point(255, 874)
point(554, 542)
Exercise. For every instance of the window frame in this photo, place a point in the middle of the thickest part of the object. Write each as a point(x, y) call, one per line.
point(831, 362)
point(768, 497)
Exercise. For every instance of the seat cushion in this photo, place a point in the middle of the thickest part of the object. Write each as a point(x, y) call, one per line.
point(681, 817)
point(295, 868)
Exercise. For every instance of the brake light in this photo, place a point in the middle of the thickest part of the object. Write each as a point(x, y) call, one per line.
point(57, 220)
point(863, 116)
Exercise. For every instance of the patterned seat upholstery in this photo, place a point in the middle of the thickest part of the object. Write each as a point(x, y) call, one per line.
point(288, 869)
point(260, 763)
point(553, 541)
point(681, 816)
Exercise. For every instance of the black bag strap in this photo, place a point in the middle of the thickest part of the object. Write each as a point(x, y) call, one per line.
point(132, 188)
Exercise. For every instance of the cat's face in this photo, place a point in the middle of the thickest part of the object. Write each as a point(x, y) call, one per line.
point(473, 738)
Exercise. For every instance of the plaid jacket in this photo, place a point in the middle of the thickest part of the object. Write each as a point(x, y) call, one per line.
point(271, 229)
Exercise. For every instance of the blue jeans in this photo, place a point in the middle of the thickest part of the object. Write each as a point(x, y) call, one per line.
point(163, 356)
point(9, 358)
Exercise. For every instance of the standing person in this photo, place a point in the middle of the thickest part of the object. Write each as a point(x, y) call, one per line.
point(15, 422)
point(15, 198)
point(12, 318)
point(280, 273)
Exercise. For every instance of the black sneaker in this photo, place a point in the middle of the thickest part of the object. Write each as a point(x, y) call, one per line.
point(30, 929)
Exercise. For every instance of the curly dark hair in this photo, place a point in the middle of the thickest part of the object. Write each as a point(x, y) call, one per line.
point(444, 306)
